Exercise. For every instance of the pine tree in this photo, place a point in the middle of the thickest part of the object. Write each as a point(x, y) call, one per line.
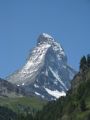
point(82, 105)
point(83, 64)
point(88, 117)
point(88, 60)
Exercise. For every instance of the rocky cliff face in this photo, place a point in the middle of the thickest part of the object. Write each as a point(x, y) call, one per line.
point(46, 73)
point(7, 89)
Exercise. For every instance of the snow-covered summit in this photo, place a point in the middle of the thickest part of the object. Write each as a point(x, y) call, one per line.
point(46, 70)
point(47, 35)
point(45, 38)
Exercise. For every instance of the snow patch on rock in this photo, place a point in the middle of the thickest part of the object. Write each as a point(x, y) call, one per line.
point(55, 93)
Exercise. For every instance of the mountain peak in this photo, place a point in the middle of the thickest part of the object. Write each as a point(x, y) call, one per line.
point(45, 38)
point(45, 73)
point(47, 35)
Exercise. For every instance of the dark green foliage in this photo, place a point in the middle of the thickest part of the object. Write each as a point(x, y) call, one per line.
point(82, 105)
point(83, 63)
point(88, 60)
point(71, 107)
point(25, 117)
point(88, 117)
point(7, 114)
point(80, 91)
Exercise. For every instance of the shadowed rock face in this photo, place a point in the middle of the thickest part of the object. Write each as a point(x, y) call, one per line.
point(7, 89)
point(46, 73)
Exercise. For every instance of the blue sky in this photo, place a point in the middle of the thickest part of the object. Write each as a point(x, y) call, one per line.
point(21, 21)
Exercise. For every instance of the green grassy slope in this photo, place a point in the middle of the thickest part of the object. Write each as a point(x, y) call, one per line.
point(23, 104)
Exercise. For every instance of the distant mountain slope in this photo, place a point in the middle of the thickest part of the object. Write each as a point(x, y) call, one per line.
point(7, 89)
point(46, 73)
